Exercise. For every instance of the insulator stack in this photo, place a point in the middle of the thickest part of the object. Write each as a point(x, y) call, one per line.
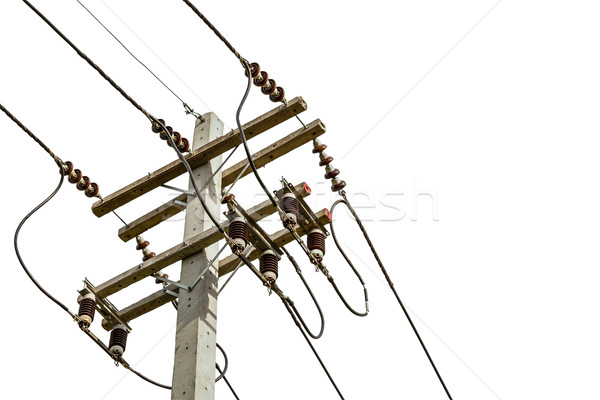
point(118, 340)
point(80, 181)
point(330, 171)
point(87, 309)
point(289, 204)
point(269, 265)
point(316, 243)
point(180, 142)
point(267, 85)
point(238, 232)
point(143, 246)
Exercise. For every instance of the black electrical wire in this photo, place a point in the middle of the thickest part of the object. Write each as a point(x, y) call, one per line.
point(26, 130)
point(228, 383)
point(299, 272)
point(226, 364)
point(387, 277)
point(219, 35)
point(187, 108)
point(362, 282)
point(16, 239)
point(313, 349)
point(89, 61)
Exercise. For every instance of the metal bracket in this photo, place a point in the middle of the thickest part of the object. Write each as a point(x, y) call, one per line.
point(307, 216)
point(188, 192)
point(167, 291)
point(256, 235)
point(104, 306)
point(179, 285)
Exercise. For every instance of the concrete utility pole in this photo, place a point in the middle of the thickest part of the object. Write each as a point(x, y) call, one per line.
point(195, 340)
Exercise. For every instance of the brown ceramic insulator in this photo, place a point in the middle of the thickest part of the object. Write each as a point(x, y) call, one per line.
point(290, 206)
point(325, 161)
point(261, 78)
point(158, 281)
point(148, 256)
point(176, 139)
point(69, 168)
point(268, 87)
point(163, 135)
point(338, 187)
point(87, 308)
point(238, 229)
point(254, 70)
point(156, 128)
point(118, 338)
point(319, 149)
point(228, 198)
point(278, 95)
point(332, 174)
point(74, 176)
point(269, 263)
point(184, 145)
point(83, 183)
point(92, 190)
point(142, 245)
point(316, 241)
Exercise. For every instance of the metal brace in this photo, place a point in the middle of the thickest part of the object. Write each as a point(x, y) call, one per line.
point(163, 279)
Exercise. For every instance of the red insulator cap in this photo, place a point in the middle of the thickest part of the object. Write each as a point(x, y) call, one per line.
point(93, 190)
point(326, 161)
point(149, 256)
point(332, 174)
point(261, 78)
point(176, 139)
point(254, 70)
point(156, 128)
point(338, 187)
point(277, 95)
point(76, 176)
point(83, 183)
point(319, 149)
point(268, 87)
point(142, 245)
point(157, 281)
point(184, 145)
point(228, 198)
point(69, 168)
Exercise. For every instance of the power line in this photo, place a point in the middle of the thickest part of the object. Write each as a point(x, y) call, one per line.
point(187, 108)
point(389, 281)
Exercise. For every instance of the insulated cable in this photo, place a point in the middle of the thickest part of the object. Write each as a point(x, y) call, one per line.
point(387, 277)
point(299, 272)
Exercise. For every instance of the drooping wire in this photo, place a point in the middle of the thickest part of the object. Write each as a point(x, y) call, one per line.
point(387, 277)
point(187, 108)
point(56, 301)
point(16, 244)
point(322, 317)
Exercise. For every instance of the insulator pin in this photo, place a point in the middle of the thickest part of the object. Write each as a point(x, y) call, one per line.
point(316, 242)
point(118, 340)
point(269, 265)
point(289, 204)
point(238, 231)
point(87, 309)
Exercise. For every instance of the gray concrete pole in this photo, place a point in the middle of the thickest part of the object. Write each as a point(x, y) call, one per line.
point(195, 340)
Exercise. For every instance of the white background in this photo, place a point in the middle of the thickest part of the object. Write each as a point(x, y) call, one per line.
point(496, 128)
